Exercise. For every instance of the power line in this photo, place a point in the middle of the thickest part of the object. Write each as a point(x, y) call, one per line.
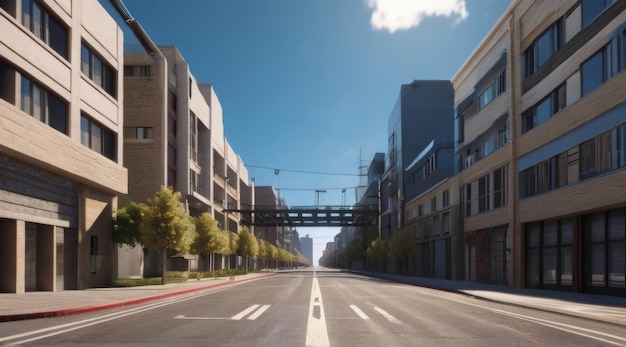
point(304, 172)
point(316, 189)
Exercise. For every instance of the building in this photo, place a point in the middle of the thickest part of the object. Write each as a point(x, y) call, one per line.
point(423, 108)
point(265, 198)
point(307, 247)
point(61, 152)
point(483, 127)
point(540, 148)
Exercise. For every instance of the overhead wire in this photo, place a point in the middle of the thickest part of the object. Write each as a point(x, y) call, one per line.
point(304, 172)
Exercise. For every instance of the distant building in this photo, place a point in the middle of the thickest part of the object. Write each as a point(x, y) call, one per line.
point(61, 151)
point(307, 247)
point(423, 108)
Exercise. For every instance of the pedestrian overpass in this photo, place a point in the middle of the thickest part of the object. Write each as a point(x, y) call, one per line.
point(310, 216)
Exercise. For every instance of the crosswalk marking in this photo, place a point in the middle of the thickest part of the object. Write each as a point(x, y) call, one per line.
point(244, 313)
point(259, 312)
point(359, 312)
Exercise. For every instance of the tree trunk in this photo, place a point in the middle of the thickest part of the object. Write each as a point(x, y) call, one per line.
point(163, 264)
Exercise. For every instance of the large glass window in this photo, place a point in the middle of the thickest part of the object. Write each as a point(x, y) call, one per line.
point(605, 246)
point(543, 48)
point(591, 9)
point(41, 22)
point(97, 137)
point(593, 72)
point(97, 70)
point(549, 259)
point(43, 105)
point(544, 109)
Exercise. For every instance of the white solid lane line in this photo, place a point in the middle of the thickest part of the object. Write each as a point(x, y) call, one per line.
point(316, 331)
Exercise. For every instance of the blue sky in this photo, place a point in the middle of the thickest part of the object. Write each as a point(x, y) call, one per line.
point(307, 86)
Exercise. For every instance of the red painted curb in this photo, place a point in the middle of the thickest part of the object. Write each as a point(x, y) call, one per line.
point(99, 307)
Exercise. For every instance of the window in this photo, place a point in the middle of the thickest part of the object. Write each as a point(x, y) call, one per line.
point(98, 138)
point(193, 136)
point(544, 109)
point(593, 72)
point(497, 87)
point(445, 199)
point(97, 70)
point(549, 257)
point(137, 71)
point(588, 159)
point(543, 48)
point(43, 105)
point(499, 187)
point(591, 9)
point(490, 192)
point(483, 194)
point(143, 133)
point(45, 26)
point(445, 223)
point(433, 204)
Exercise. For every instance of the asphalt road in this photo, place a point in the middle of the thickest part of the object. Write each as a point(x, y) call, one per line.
point(317, 308)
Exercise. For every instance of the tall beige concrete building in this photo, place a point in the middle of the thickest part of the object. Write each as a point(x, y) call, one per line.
point(61, 150)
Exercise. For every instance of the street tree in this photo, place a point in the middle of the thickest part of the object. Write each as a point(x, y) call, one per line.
point(233, 245)
point(263, 249)
point(126, 225)
point(209, 238)
point(378, 249)
point(248, 245)
point(402, 247)
point(165, 225)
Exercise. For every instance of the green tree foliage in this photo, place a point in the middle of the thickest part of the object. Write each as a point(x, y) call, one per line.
point(233, 245)
point(402, 245)
point(209, 238)
point(165, 225)
point(126, 225)
point(248, 245)
point(378, 249)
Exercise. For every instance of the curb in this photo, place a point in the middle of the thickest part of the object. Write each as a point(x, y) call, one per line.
point(106, 306)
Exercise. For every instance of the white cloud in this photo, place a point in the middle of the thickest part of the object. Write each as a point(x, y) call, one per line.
point(393, 15)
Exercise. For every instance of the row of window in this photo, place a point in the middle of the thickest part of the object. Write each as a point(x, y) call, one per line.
point(601, 154)
point(550, 259)
point(47, 27)
point(41, 22)
point(418, 210)
point(552, 39)
point(495, 142)
point(486, 193)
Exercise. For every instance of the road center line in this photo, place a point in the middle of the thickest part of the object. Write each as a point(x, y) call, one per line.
point(316, 331)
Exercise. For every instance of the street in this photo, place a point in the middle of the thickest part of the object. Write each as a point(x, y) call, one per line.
point(317, 308)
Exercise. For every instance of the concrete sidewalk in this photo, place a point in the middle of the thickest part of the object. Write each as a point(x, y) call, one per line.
point(33, 305)
point(51, 304)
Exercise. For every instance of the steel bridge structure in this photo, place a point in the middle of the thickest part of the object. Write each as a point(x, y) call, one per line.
point(310, 216)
